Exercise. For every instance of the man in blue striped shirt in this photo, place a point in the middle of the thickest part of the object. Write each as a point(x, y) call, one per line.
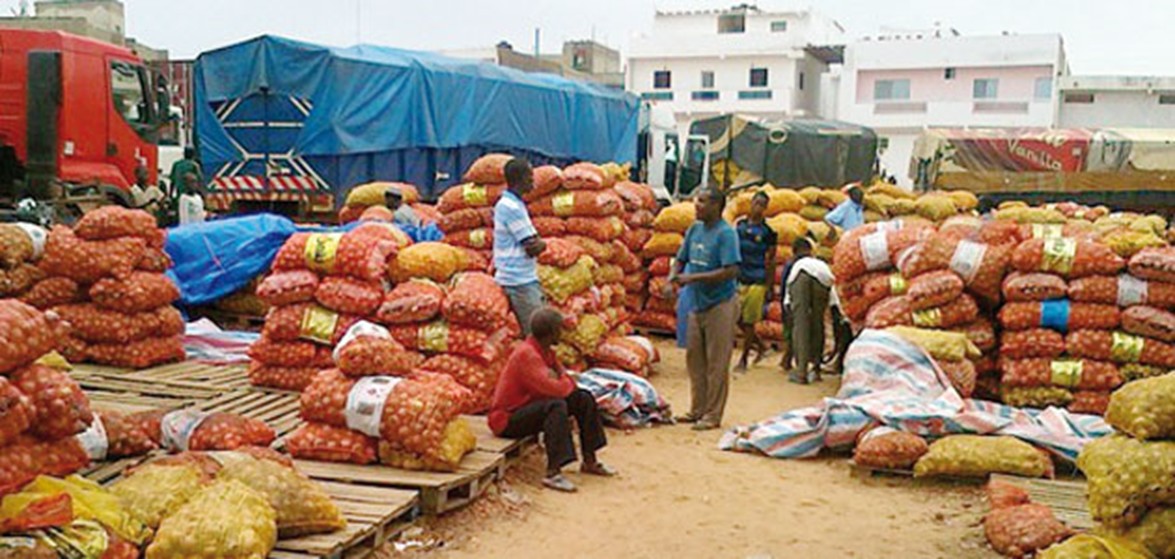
point(517, 244)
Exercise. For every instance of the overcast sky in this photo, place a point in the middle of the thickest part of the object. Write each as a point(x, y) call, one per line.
point(1101, 37)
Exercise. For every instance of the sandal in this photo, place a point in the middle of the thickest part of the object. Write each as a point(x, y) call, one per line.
point(559, 483)
point(598, 469)
point(687, 418)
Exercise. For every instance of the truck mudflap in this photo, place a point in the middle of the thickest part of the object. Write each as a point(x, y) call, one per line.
point(225, 191)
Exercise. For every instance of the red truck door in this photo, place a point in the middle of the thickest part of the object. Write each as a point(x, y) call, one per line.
point(131, 126)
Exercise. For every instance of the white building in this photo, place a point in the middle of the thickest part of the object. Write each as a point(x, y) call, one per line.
point(1117, 102)
point(741, 60)
point(900, 83)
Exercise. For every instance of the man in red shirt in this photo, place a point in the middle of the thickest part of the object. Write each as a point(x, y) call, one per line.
point(535, 395)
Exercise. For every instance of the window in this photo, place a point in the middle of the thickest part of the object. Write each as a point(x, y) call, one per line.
point(985, 88)
point(779, 26)
point(1079, 98)
point(1166, 99)
point(1043, 88)
point(704, 96)
point(753, 95)
point(662, 79)
point(129, 93)
point(891, 90)
point(732, 23)
point(800, 81)
point(707, 79)
point(948, 74)
point(758, 77)
point(657, 96)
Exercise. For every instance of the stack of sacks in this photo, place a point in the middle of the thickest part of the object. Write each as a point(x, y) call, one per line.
point(372, 408)
point(640, 207)
point(106, 279)
point(41, 409)
point(21, 245)
point(321, 285)
point(1131, 474)
point(885, 201)
point(567, 274)
point(1056, 350)
point(361, 199)
point(658, 253)
point(1017, 527)
point(954, 353)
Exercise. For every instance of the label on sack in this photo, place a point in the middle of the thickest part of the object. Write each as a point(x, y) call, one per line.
point(884, 226)
point(1126, 348)
point(94, 440)
point(875, 249)
point(1058, 255)
point(967, 258)
point(1047, 231)
point(475, 195)
point(563, 204)
point(178, 426)
point(318, 325)
point(17, 542)
point(929, 318)
point(38, 235)
point(1067, 372)
point(1131, 291)
point(434, 337)
point(361, 328)
point(477, 238)
point(365, 404)
point(320, 252)
point(898, 284)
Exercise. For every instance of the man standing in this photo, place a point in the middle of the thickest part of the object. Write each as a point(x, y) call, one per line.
point(183, 167)
point(403, 214)
point(708, 264)
point(756, 274)
point(535, 395)
point(191, 202)
point(806, 293)
point(850, 214)
point(517, 245)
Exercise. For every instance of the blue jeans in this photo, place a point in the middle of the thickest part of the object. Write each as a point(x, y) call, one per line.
point(524, 301)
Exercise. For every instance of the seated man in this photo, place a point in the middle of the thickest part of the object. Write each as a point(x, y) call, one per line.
point(535, 395)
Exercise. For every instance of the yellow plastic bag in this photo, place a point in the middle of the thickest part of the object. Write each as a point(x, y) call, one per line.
point(1155, 532)
point(940, 344)
point(54, 360)
point(587, 334)
point(89, 501)
point(1092, 546)
point(979, 456)
point(1127, 477)
point(372, 194)
point(457, 440)
point(788, 227)
point(561, 284)
point(154, 492)
point(1145, 409)
point(676, 218)
point(663, 244)
point(302, 507)
point(435, 261)
point(226, 520)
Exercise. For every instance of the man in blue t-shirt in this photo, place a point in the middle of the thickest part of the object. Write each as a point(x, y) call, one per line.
point(756, 274)
point(708, 264)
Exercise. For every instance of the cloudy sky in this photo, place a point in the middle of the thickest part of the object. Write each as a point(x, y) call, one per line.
point(1101, 37)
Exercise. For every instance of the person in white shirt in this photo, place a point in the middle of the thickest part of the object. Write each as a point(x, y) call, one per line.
point(807, 290)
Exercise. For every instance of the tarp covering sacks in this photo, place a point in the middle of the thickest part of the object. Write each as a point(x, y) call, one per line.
point(353, 115)
point(215, 258)
point(890, 381)
point(625, 400)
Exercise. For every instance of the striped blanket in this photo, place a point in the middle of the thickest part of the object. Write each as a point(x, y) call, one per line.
point(625, 400)
point(889, 381)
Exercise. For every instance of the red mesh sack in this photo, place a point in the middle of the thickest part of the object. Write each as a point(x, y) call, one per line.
point(664, 322)
point(1119, 347)
point(349, 296)
point(638, 219)
point(1022, 530)
point(981, 266)
point(22, 461)
point(287, 288)
point(608, 274)
point(1149, 322)
point(580, 203)
point(481, 238)
point(1080, 374)
point(112, 222)
point(888, 449)
point(769, 330)
point(290, 354)
point(357, 254)
point(225, 431)
point(60, 408)
point(16, 412)
point(412, 301)
point(1123, 291)
point(637, 196)
point(602, 253)
point(604, 230)
point(294, 378)
point(1025, 315)
point(15, 282)
point(868, 249)
point(89, 261)
point(470, 196)
point(138, 355)
point(140, 292)
point(1019, 286)
point(446, 387)
point(962, 376)
point(1034, 342)
point(306, 321)
point(1068, 258)
point(624, 354)
point(896, 311)
point(325, 443)
point(1156, 264)
point(387, 232)
point(476, 300)
point(636, 239)
point(52, 292)
point(476, 261)
point(90, 323)
point(351, 214)
point(155, 260)
point(1001, 495)
point(584, 176)
point(628, 261)
point(547, 179)
point(376, 213)
point(548, 227)
point(934, 289)
point(469, 218)
point(375, 355)
point(1002, 232)
point(1093, 402)
point(478, 378)
point(981, 333)
point(125, 437)
point(775, 311)
point(660, 266)
point(25, 335)
point(489, 169)
point(441, 337)
point(561, 253)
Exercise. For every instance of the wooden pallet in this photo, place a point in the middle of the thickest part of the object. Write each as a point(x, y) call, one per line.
point(511, 449)
point(374, 516)
point(102, 381)
point(439, 492)
point(1065, 497)
point(107, 471)
point(224, 377)
point(277, 409)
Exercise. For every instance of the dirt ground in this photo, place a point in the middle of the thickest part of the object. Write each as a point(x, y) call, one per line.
point(679, 496)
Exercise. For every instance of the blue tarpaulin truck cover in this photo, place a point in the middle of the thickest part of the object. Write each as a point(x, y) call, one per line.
point(339, 117)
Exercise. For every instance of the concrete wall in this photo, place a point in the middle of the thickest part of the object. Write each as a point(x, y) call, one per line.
point(106, 15)
point(1118, 102)
point(731, 75)
point(76, 26)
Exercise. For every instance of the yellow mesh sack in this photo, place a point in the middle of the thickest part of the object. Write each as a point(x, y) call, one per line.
point(902, 206)
point(154, 492)
point(1145, 409)
point(226, 520)
point(1023, 214)
point(1094, 546)
point(783, 200)
point(788, 227)
point(940, 344)
point(878, 203)
point(1128, 242)
point(457, 440)
point(663, 244)
point(434, 261)
point(892, 190)
point(819, 230)
point(810, 194)
point(561, 284)
point(1150, 224)
point(935, 207)
point(964, 200)
point(676, 218)
point(1039, 397)
point(979, 456)
point(302, 507)
point(831, 198)
point(587, 334)
point(1156, 532)
point(566, 354)
point(1126, 477)
point(813, 213)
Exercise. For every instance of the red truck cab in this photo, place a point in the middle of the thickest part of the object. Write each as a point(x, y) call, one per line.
point(73, 110)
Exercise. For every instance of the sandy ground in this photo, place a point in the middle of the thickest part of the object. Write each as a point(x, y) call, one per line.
point(678, 496)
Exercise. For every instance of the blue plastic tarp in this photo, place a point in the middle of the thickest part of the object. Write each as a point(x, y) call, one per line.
point(375, 113)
